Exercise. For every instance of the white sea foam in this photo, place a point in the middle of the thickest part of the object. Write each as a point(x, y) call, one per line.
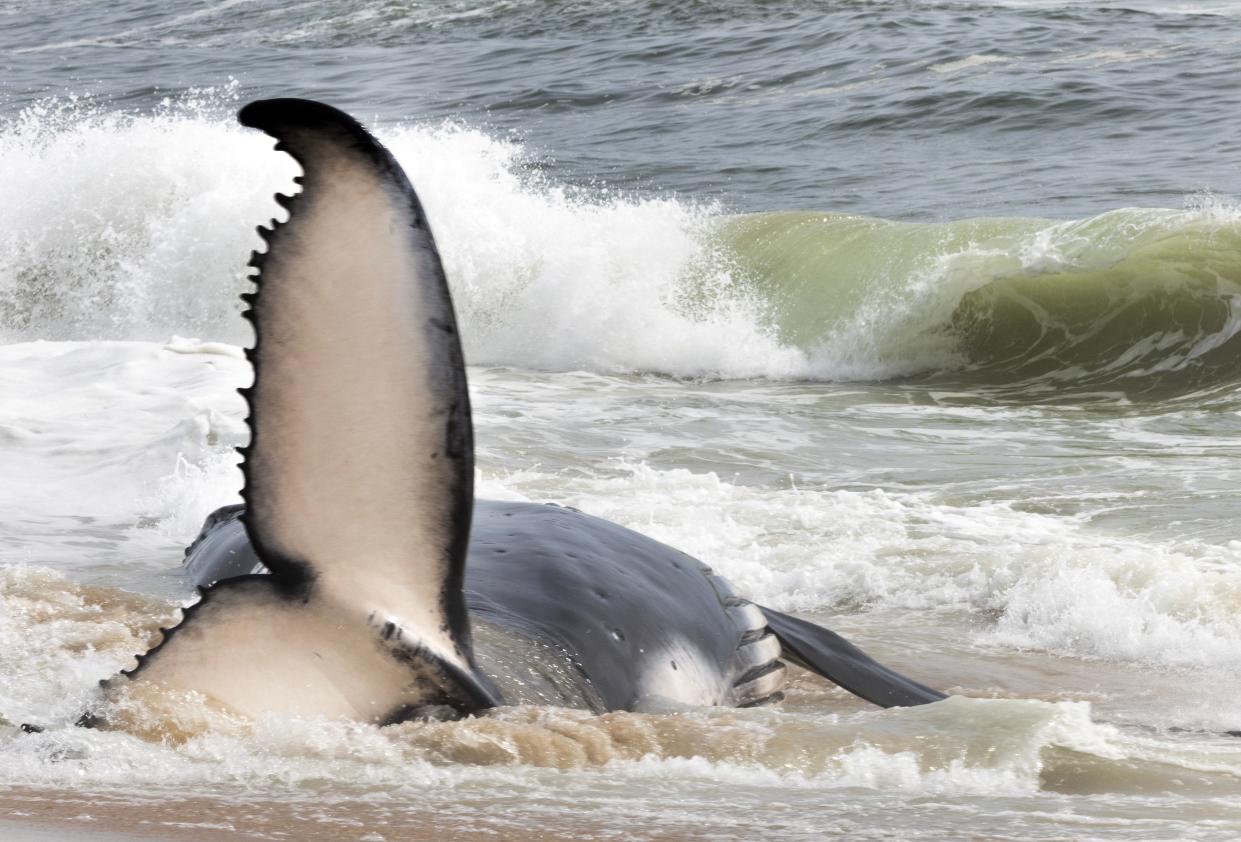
point(549, 279)
point(128, 228)
point(967, 63)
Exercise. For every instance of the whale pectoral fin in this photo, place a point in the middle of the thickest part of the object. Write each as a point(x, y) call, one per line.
point(254, 646)
point(359, 474)
point(826, 653)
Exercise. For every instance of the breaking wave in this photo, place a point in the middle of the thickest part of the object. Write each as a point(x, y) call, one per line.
point(121, 226)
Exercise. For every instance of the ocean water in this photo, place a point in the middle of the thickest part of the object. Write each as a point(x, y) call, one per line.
point(918, 319)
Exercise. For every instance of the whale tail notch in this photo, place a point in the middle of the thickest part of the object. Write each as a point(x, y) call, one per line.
point(359, 472)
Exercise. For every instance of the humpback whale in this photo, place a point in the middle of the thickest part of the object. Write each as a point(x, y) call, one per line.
point(360, 578)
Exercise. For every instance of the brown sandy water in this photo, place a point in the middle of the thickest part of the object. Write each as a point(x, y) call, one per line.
point(824, 765)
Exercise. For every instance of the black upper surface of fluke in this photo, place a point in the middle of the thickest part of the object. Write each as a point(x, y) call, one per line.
point(288, 118)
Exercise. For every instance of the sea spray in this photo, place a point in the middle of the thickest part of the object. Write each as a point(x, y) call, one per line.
point(154, 240)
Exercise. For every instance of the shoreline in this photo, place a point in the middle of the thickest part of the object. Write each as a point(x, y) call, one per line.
point(31, 814)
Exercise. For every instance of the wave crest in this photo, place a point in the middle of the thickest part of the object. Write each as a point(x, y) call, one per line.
point(137, 227)
point(1134, 299)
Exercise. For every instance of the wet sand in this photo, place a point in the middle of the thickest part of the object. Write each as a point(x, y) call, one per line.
point(44, 815)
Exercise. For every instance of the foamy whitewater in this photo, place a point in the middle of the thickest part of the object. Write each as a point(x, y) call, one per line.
point(919, 320)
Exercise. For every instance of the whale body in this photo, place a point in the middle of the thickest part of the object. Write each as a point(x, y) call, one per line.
point(361, 579)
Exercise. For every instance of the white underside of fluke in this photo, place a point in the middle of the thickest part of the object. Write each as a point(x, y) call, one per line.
point(360, 465)
point(348, 472)
point(252, 652)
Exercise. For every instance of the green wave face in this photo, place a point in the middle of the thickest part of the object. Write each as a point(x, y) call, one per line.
point(1136, 300)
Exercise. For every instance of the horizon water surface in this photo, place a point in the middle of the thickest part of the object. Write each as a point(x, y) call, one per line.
point(919, 319)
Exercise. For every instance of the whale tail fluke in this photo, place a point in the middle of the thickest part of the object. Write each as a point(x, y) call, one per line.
point(359, 472)
point(826, 653)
